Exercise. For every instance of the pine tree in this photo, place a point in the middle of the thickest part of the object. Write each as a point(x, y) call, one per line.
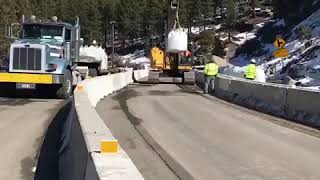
point(138, 18)
point(8, 15)
point(253, 7)
point(231, 16)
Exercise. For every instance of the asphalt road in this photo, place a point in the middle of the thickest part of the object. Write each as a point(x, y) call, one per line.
point(168, 130)
point(23, 124)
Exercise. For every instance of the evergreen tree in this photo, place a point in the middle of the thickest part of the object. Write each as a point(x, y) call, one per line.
point(253, 7)
point(136, 18)
point(231, 16)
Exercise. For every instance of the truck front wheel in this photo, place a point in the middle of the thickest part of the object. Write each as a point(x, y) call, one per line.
point(65, 91)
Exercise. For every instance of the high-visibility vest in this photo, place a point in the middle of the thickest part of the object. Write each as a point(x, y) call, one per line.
point(211, 69)
point(251, 71)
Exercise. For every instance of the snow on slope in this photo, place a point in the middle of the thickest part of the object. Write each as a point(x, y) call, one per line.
point(313, 22)
point(198, 30)
point(302, 66)
point(243, 37)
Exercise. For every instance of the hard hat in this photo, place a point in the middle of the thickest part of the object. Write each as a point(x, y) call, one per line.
point(94, 42)
point(253, 61)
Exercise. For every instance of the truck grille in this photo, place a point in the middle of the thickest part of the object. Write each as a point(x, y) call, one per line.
point(27, 59)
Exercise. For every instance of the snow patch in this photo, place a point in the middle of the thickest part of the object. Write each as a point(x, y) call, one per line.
point(294, 45)
point(260, 25)
point(243, 37)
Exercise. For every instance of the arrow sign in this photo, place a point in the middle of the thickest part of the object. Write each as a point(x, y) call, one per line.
point(279, 43)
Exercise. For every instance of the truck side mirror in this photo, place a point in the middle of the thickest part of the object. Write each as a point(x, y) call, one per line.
point(13, 31)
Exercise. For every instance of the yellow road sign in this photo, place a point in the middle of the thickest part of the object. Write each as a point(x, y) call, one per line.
point(281, 53)
point(279, 43)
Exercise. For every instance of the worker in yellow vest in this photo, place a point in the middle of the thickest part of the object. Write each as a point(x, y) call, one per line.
point(251, 70)
point(211, 71)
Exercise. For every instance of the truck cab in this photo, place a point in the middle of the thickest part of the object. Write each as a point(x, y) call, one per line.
point(43, 55)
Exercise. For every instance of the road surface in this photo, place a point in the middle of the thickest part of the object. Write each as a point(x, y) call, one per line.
point(23, 123)
point(195, 137)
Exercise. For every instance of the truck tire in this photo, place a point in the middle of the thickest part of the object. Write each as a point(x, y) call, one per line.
point(93, 72)
point(65, 91)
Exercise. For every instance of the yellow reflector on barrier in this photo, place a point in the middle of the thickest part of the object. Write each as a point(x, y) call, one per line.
point(26, 78)
point(110, 146)
point(80, 87)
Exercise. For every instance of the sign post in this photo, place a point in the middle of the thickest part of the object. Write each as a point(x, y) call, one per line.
point(281, 52)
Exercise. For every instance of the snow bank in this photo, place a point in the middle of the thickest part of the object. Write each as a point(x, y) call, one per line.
point(303, 63)
point(198, 30)
point(260, 25)
point(294, 45)
point(243, 37)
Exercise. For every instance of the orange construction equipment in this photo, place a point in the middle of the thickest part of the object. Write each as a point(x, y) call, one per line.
point(173, 67)
point(177, 66)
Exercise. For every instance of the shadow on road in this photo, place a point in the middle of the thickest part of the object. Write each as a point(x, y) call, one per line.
point(122, 97)
point(48, 163)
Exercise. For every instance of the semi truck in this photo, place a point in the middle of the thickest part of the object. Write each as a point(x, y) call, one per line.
point(43, 57)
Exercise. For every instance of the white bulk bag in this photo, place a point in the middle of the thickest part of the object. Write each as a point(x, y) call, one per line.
point(177, 41)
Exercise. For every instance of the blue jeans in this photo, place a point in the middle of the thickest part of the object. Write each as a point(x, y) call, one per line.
point(209, 80)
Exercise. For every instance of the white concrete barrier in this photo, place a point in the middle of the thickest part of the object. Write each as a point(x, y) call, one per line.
point(199, 78)
point(303, 105)
point(295, 104)
point(139, 75)
point(117, 166)
point(270, 98)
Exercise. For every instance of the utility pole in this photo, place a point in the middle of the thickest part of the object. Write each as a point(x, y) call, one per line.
point(105, 34)
point(113, 37)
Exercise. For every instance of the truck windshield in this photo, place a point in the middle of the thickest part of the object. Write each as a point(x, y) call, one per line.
point(43, 32)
